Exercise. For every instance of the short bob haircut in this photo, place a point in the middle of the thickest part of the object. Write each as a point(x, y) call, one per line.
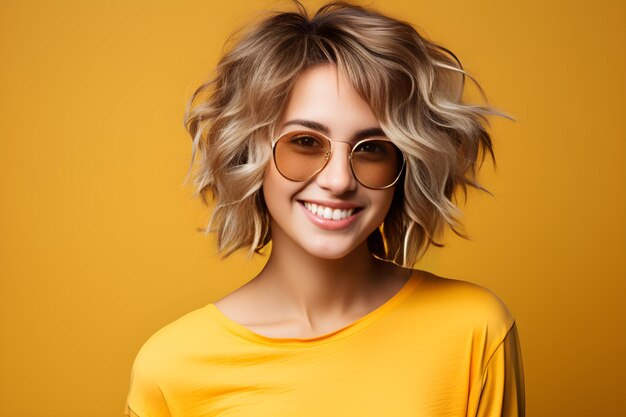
point(413, 86)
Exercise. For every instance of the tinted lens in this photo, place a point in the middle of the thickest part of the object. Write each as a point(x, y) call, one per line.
point(300, 155)
point(377, 163)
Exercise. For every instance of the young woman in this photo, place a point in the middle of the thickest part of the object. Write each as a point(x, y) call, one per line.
point(342, 139)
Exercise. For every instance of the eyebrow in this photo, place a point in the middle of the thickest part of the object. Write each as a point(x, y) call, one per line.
point(361, 134)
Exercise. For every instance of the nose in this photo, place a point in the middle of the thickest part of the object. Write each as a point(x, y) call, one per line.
point(337, 176)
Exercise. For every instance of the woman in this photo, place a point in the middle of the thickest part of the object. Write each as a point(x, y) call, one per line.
point(341, 139)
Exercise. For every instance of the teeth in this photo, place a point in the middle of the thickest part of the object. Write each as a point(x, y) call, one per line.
point(327, 212)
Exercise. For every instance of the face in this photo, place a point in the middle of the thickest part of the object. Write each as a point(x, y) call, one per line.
point(323, 101)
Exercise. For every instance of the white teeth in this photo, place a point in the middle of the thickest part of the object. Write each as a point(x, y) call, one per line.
point(327, 212)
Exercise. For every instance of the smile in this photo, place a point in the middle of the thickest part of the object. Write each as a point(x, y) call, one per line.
point(328, 213)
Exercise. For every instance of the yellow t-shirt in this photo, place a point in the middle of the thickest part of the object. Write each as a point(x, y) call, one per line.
point(438, 348)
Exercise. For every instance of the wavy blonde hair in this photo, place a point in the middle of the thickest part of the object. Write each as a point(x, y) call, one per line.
point(413, 86)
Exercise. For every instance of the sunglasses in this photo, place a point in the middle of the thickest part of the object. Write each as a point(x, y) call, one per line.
point(376, 163)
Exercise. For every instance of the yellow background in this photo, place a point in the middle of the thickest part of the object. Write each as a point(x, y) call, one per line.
point(98, 234)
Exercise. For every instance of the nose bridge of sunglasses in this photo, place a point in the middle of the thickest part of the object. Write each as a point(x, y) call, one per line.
point(339, 161)
point(347, 144)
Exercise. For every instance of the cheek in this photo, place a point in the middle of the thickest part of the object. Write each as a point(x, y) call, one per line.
point(385, 201)
point(277, 191)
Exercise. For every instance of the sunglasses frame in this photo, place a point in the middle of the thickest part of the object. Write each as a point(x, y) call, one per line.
point(330, 153)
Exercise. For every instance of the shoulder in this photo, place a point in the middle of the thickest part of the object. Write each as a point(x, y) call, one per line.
point(160, 362)
point(463, 302)
point(172, 342)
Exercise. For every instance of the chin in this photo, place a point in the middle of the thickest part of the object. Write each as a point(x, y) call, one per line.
point(330, 251)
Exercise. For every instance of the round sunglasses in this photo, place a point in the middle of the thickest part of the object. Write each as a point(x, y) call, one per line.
point(376, 163)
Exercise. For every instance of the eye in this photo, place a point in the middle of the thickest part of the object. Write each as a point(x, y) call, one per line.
point(372, 146)
point(307, 141)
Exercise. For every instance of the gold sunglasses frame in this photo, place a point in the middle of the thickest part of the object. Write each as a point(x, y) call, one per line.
point(330, 153)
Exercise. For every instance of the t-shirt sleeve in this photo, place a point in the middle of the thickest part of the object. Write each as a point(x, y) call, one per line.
point(145, 397)
point(502, 393)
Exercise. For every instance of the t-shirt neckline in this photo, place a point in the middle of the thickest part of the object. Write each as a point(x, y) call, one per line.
point(242, 332)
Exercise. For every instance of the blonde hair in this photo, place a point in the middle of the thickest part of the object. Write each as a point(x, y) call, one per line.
point(413, 86)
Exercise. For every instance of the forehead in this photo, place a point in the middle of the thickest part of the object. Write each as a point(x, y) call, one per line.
point(324, 96)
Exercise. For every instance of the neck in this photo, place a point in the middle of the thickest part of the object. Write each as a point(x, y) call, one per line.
point(314, 290)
